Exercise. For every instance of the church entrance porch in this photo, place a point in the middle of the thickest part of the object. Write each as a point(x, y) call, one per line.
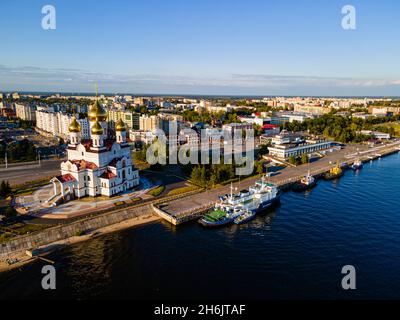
point(63, 188)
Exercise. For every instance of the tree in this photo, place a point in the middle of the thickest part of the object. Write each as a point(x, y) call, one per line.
point(10, 212)
point(304, 158)
point(293, 160)
point(5, 189)
point(259, 167)
point(264, 149)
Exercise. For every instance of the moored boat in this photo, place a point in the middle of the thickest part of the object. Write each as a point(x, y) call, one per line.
point(307, 182)
point(218, 217)
point(357, 165)
point(245, 217)
point(335, 173)
point(257, 198)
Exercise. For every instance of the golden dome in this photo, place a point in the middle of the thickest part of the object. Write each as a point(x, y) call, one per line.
point(120, 126)
point(74, 126)
point(97, 129)
point(97, 112)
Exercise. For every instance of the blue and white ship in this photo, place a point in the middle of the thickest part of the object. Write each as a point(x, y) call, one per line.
point(257, 198)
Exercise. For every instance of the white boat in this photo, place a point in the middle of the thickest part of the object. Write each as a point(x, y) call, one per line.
point(307, 182)
point(357, 165)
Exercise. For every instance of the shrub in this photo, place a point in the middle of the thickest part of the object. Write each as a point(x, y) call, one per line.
point(79, 233)
point(157, 191)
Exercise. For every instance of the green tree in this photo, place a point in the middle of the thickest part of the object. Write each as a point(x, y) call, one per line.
point(259, 167)
point(293, 160)
point(304, 158)
point(10, 212)
point(5, 189)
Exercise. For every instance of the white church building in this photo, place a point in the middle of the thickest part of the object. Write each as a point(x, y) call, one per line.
point(96, 166)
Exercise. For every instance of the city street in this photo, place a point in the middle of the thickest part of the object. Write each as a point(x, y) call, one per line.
point(22, 174)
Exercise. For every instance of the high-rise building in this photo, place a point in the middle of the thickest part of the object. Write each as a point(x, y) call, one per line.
point(25, 112)
point(148, 123)
point(132, 120)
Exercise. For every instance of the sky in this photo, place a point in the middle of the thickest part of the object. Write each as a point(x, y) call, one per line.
point(202, 47)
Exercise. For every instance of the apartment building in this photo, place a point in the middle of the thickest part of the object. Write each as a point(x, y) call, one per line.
point(25, 112)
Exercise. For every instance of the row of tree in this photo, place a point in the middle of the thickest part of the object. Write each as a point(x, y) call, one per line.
point(299, 160)
point(207, 176)
point(339, 128)
point(23, 150)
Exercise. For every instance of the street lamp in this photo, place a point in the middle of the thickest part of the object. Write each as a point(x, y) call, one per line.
point(38, 155)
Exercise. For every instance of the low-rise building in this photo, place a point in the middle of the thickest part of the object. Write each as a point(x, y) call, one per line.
point(376, 134)
point(285, 151)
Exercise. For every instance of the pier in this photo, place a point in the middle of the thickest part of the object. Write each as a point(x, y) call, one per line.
point(189, 208)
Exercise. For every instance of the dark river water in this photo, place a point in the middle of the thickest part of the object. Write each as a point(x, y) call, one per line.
point(295, 251)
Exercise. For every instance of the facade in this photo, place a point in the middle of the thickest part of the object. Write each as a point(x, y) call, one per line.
point(148, 123)
point(57, 124)
point(131, 120)
point(236, 131)
point(376, 134)
point(380, 111)
point(312, 109)
point(96, 166)
point(47, 121)
point(285, 151)
point(25, 112)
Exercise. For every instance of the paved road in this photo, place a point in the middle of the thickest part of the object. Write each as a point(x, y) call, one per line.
point(21, 174)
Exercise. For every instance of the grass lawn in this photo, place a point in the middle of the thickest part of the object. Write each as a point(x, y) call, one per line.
point(19, 229)
point(30, 186)
point(157, 191)
point(177, 191)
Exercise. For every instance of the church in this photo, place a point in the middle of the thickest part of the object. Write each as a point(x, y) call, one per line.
point(97, 166)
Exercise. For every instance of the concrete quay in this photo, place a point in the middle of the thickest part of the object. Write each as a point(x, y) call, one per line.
point(190, 208)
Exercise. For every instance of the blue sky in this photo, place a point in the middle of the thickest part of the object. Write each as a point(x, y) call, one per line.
point(252, 47)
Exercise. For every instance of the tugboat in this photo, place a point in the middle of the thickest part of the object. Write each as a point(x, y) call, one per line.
point(245, 217)
point(357, 165)
point(335, 173)
point(257, 198)
point(307, 182)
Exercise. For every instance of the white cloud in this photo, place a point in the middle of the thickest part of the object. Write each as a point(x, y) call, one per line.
point(30, 78)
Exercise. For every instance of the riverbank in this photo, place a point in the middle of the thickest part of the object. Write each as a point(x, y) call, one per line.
point(183, 207)
point(44, 250)
point(295, 251)
point(190, 208)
